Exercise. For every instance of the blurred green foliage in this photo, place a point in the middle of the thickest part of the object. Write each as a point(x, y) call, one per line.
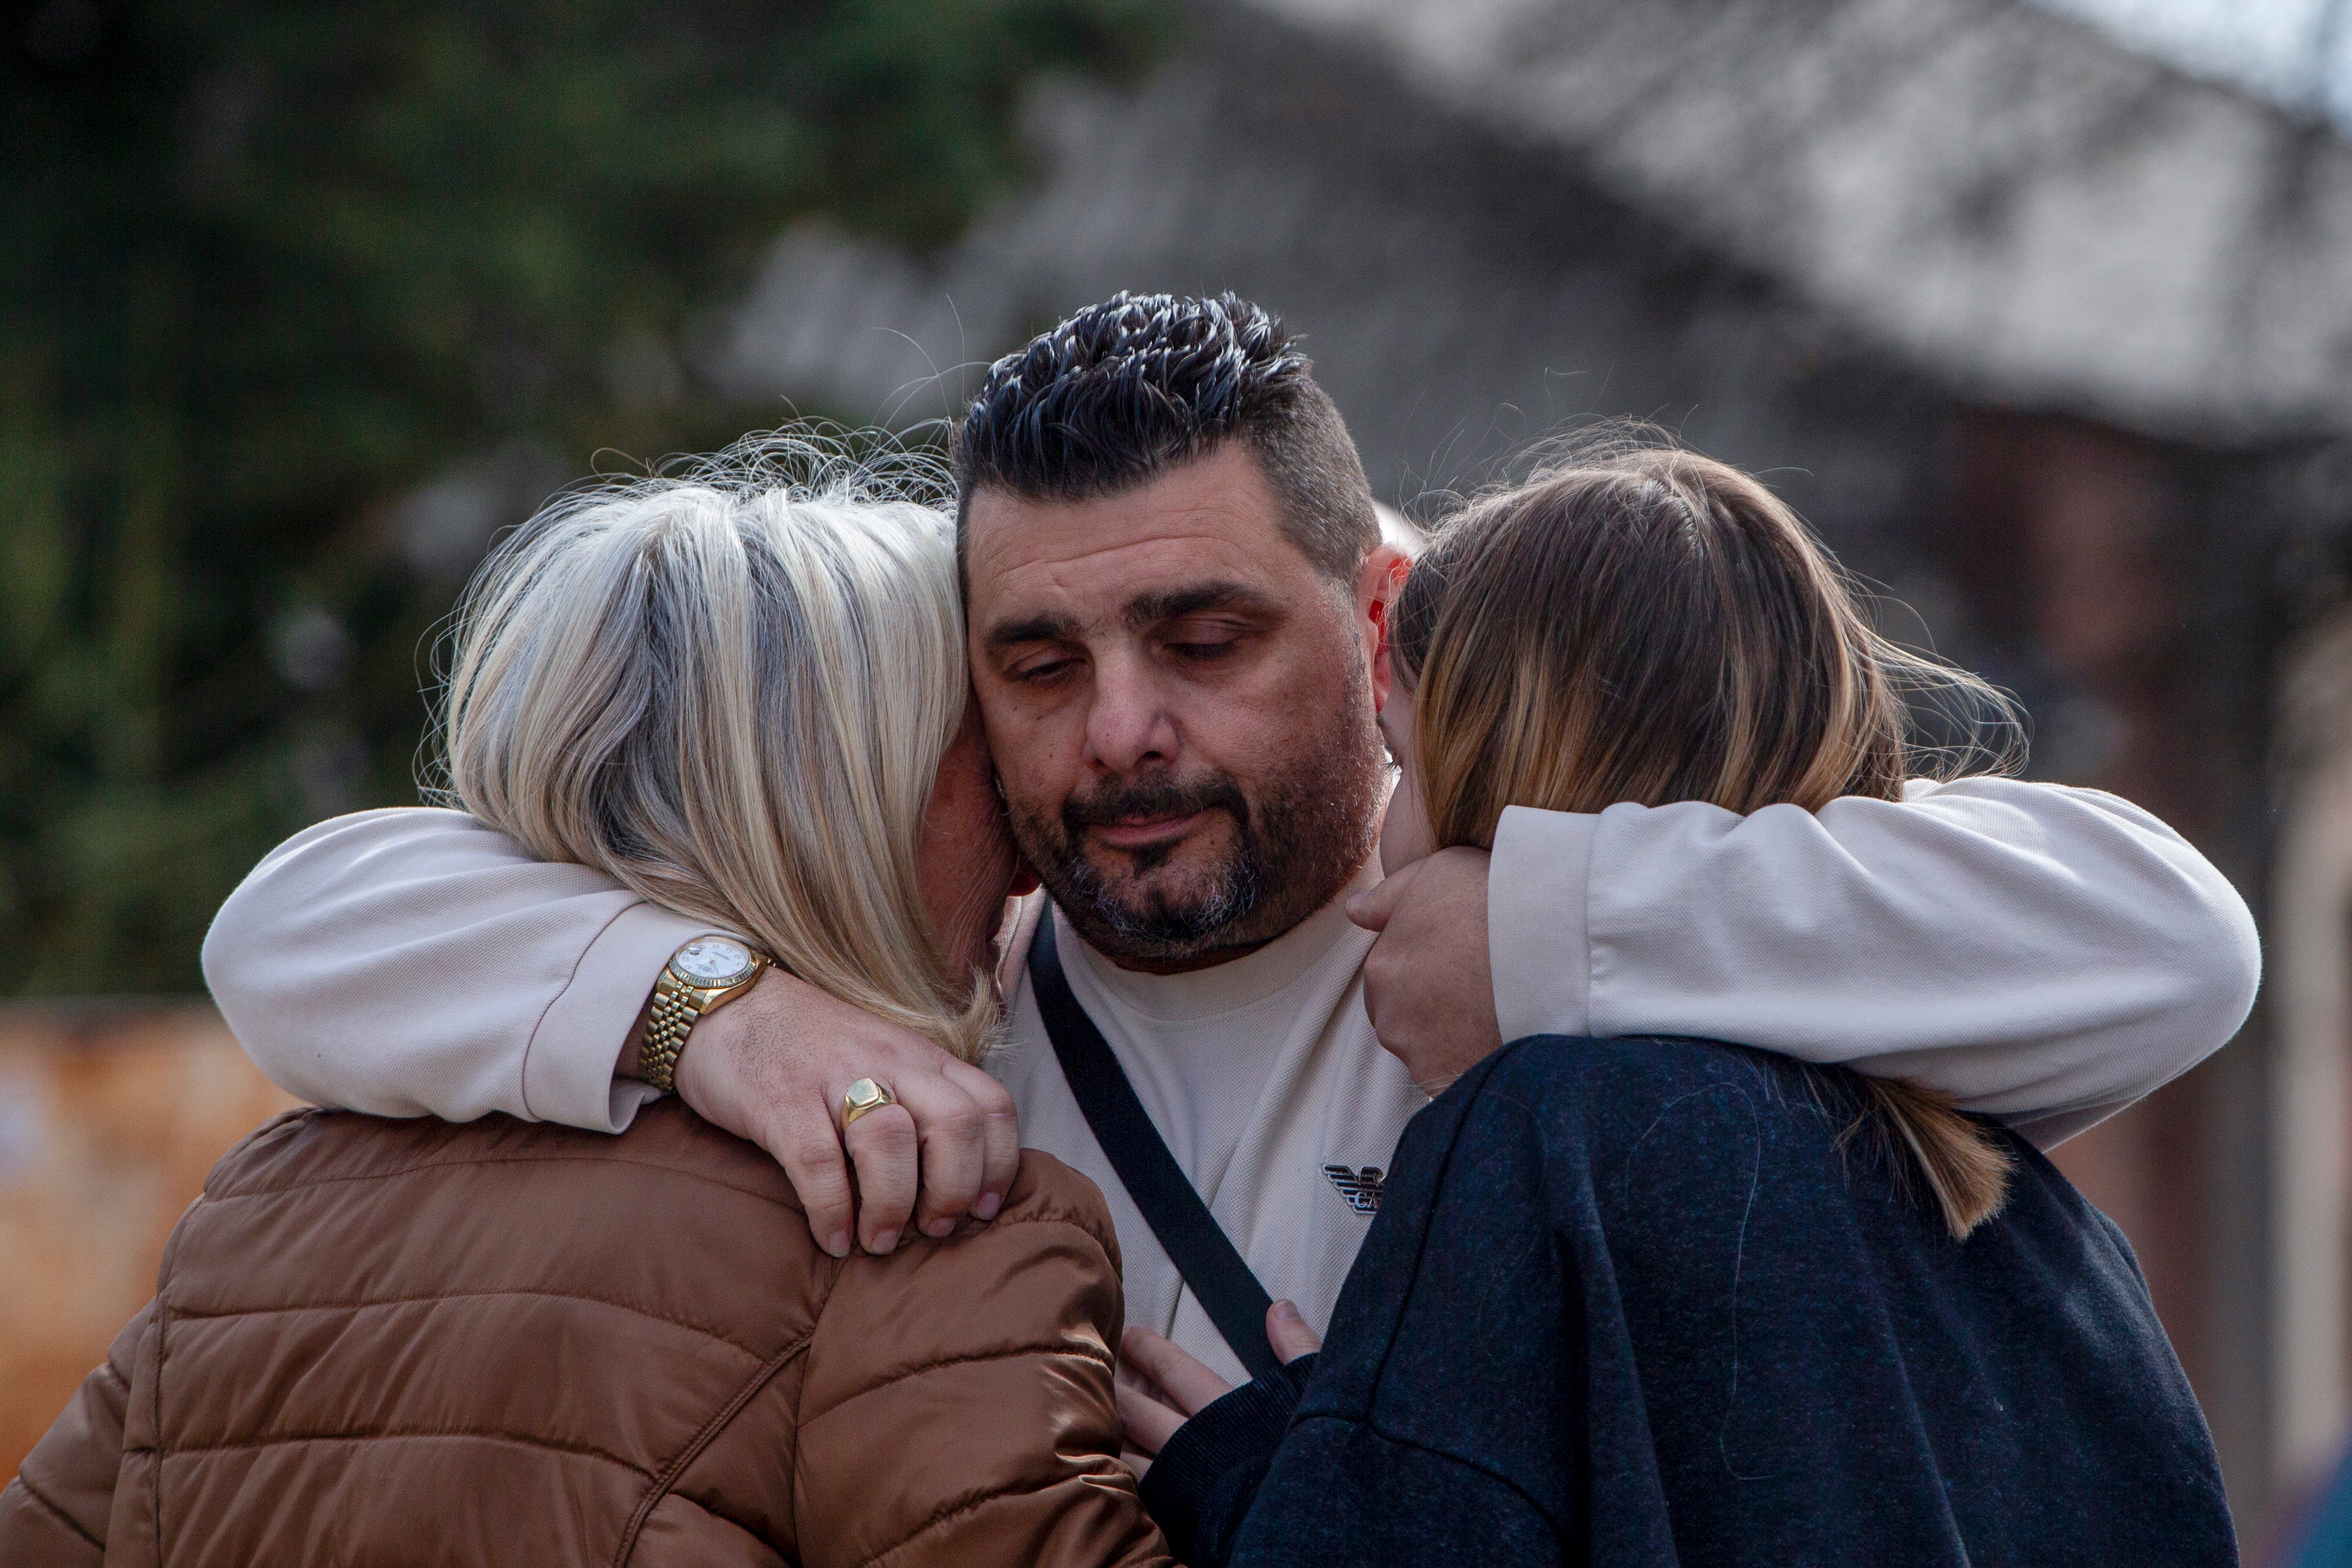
point(296, 295)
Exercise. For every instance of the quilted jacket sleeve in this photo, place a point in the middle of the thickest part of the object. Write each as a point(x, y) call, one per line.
point(54, 1513)
point(959, 1406)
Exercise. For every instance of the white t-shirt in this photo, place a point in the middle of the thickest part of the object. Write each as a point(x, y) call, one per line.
point(1260, 1074)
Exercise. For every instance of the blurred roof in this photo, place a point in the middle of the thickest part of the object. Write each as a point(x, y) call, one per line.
point(2295, 53)
point(2016, 201)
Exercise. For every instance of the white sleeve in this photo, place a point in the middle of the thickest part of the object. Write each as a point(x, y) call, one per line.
point(2041, 953)
point(415, 963)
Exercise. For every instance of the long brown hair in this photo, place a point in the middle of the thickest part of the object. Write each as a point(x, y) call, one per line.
point(1641, 623)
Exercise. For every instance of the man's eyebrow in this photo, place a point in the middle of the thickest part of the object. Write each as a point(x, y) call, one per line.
point(1173, 603)
point(1044, 627)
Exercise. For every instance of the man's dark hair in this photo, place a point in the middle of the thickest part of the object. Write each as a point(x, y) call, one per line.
point(1124, 391)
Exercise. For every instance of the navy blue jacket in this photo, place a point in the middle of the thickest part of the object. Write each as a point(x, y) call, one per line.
point(1636, 1303)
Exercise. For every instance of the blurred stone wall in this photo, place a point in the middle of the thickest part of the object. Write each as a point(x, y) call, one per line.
point(110, 1117)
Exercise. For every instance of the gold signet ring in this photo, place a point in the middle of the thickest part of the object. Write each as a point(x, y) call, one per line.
point(861, 1097)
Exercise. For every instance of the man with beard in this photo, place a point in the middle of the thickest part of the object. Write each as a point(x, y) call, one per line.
point(1177, 603)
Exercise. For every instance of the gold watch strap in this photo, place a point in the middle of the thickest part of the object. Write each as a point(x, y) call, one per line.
point(678, 1005)
point(675, 1008)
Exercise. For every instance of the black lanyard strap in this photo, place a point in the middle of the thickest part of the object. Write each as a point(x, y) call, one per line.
point(1188, 1233)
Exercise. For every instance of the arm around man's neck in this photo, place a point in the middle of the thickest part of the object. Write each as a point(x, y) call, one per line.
point(412, 962)
point(2043, 955)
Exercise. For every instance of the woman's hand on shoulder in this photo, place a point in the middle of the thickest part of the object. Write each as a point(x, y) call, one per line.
point(773, 1066)
point(1428, 981)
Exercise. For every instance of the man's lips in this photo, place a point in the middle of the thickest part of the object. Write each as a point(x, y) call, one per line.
point(1136, 833)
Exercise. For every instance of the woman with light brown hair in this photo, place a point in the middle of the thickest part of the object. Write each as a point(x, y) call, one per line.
point(1676, 1302)
point(1649, 626)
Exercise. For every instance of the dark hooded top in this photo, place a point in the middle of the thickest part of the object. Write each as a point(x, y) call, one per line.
point(1643, 1302)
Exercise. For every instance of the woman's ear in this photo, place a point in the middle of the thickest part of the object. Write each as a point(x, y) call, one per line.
point(1377, 587)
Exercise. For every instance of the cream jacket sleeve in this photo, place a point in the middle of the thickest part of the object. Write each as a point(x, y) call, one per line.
point(412, 962)
point(2043, 955)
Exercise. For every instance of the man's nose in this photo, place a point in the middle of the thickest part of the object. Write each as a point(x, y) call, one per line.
point(1129, 726)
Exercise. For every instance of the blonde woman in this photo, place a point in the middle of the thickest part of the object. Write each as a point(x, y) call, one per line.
point(741, 693)
point(1658, 1301)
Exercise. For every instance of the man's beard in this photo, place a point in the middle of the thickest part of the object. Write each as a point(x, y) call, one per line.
point(1293, 849)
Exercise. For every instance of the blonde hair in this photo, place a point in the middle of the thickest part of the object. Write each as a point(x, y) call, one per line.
point(1644, 624)
point(729, 688)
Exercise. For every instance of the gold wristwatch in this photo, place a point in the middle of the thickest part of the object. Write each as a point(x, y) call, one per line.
point(708, 971)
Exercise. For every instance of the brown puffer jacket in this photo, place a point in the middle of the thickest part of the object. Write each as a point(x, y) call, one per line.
point(404, 1341)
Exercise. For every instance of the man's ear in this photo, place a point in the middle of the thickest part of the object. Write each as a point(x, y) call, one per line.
point(1378, 584)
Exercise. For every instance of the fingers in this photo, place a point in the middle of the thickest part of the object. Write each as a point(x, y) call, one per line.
point(1179, 1375)
point(1150, 1423)
point(1291, 1336)
point(948, 1130)
point(883, 1146)
point(1145, 1355)
point(971, 1137)
point(771, 1067)
point(999, 1136)
point(1372, 909)
point(809, 1149)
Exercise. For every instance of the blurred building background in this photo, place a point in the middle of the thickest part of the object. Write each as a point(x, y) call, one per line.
point(2042, 315)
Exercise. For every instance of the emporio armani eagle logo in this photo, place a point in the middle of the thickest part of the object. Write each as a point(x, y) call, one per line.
point(1361, 1188)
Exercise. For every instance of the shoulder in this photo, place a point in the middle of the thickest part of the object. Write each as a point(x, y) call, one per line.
point(337, 1206)
point(314, 1148)
point(1040, 1280)
point(1614, 1082)
point(1048, 1195)
point(1599, 1103)
point(670, 1256)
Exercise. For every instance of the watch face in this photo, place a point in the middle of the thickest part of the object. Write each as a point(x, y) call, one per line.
point(713, 961)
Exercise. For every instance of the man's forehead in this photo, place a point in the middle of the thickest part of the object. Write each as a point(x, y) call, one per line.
point(1215, 521)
